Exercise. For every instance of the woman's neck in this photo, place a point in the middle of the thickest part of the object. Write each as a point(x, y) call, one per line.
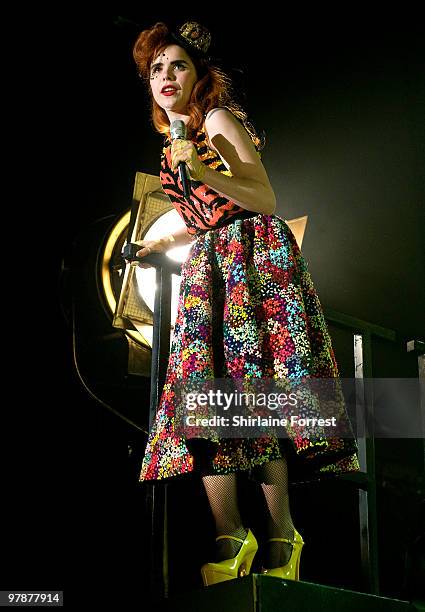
point(172, 116)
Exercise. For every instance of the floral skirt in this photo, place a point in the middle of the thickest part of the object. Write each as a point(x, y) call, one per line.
point(247, 308)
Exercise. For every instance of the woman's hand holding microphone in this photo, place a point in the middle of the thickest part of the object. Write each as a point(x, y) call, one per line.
point(185, 151)
point(181, 151)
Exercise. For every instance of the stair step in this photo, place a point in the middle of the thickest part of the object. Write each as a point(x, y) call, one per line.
point(257, 593)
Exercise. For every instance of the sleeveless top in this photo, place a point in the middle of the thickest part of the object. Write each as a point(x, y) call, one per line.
point(207, 209)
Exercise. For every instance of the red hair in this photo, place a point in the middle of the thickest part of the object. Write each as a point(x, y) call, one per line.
point(213, 88)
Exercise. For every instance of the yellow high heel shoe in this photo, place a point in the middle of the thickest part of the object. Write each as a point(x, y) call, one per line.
point(238, 566)
point(291, 570)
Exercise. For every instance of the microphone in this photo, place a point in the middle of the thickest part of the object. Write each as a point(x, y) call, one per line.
point(178, 130)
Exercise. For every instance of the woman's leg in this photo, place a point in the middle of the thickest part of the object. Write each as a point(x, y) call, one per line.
point(222, 496)
point(274, 479)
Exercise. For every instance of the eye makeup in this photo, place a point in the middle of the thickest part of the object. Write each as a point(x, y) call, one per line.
point(174, 63)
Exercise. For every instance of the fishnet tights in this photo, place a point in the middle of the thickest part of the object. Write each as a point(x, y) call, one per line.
point(274, 476)
point(222, 495)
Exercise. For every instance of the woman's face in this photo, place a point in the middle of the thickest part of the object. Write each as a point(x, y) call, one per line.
point(172, 77)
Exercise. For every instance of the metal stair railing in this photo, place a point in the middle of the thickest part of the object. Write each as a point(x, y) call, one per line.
point(365, 481)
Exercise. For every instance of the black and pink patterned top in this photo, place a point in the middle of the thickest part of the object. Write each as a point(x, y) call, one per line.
point(208, 209)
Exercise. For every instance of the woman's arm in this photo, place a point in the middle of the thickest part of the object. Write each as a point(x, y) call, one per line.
point(181, 237)
point(164, 244)
point(249, 186)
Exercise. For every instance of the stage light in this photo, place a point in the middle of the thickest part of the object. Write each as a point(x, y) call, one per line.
point(167, 223)
point(129, 291)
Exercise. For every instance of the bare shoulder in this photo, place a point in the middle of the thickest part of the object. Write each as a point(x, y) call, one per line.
point(214, 111)
point(233, 143)
point(230, 139)
point(228, 136)
point(221, 120)
point(215, 121)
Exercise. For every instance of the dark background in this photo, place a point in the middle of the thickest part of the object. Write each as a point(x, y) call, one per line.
point(340, 97)
point(341, 106)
